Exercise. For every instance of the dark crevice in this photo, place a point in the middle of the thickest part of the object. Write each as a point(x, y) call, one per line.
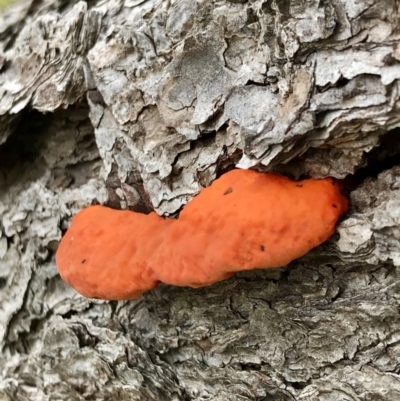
point(267, 8)
point(251, 16)
point(35, 7)
point(375, 167)
point(299, 385)
point(384, 157)
point(21, 149)
point(227, 162)
point(6, 65)
point(135, 181)
point(96, 97)
point(69, 314)
point(381, 158)
point(64, 6)
point(389, 147)
point(339, 293)
point(340, 83)
point(85, 339)
point(206, 138)
point(27, 153)
point(10, 36)
point(253, 83)
point(3, 282)
point(250, 367)
point(208, 127)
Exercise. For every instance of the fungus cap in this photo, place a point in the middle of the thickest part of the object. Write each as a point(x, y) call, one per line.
point(104, 253)
point(244, 220)
point(247, 220)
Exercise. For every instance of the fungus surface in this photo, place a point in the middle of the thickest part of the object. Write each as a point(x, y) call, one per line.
point(244, 220)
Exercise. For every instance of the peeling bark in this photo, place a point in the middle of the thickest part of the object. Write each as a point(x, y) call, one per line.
point(139, 105)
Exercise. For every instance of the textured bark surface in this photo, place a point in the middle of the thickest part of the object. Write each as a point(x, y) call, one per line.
point(138, 105)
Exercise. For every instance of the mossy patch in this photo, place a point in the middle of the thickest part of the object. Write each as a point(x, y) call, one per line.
point(5, 3)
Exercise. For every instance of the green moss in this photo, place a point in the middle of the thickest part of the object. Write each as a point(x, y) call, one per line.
point(5, 3)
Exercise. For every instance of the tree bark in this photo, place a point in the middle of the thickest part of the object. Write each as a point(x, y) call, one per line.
point(139, 105)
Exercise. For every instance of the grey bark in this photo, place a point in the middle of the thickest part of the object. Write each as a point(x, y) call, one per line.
point(138, 105)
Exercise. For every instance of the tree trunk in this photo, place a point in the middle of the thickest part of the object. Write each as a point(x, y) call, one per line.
point(140, 104)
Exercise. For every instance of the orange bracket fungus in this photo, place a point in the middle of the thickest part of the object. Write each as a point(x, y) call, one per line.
point(244, 220)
